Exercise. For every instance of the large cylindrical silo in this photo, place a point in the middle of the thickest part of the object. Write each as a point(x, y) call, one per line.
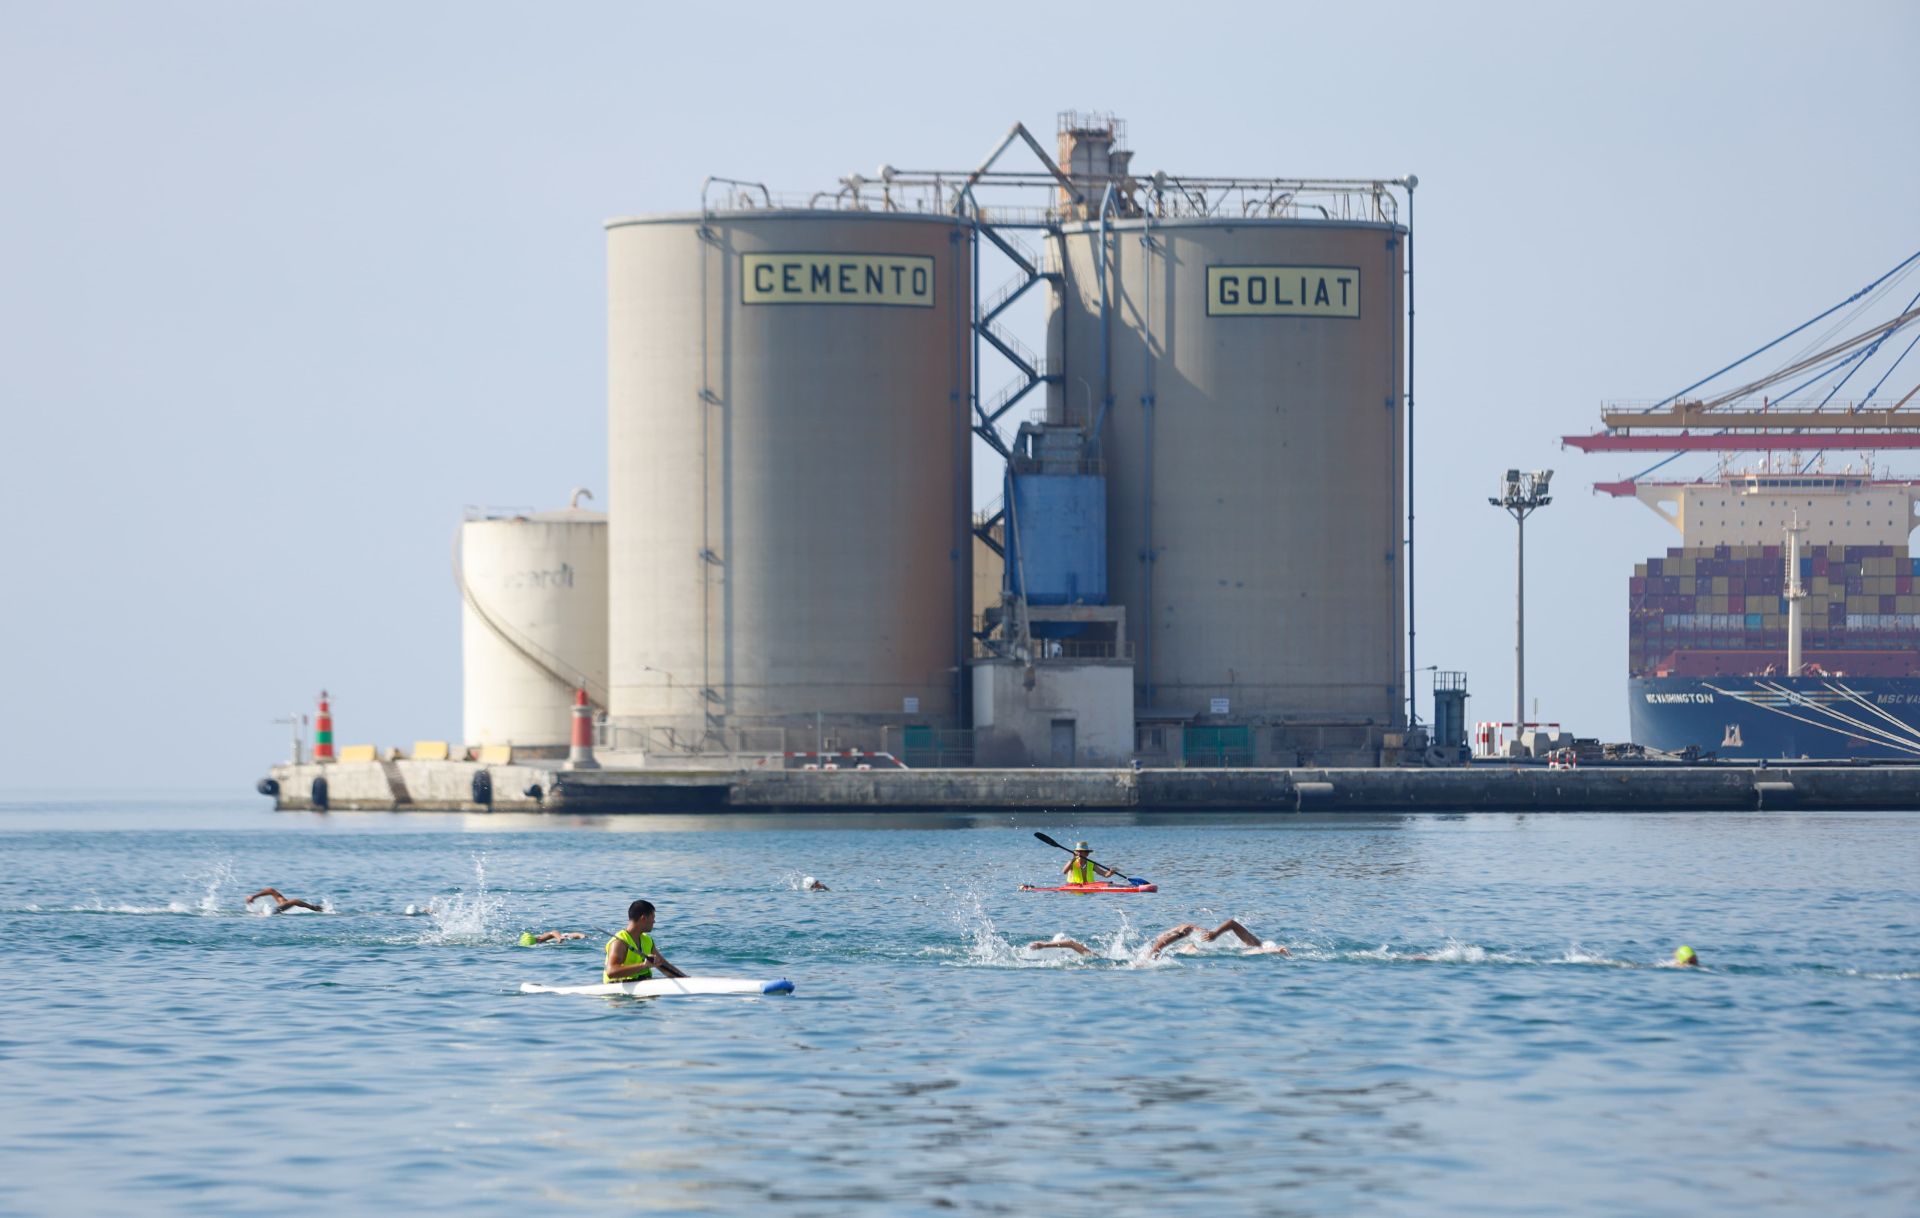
point(1253, 451)
point(787, 400)
point(533, 624)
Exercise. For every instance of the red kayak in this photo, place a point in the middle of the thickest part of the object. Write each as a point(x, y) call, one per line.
point(1092, 888)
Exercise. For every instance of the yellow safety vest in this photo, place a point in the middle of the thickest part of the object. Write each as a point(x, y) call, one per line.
point(1079, 872)
point(642, 950)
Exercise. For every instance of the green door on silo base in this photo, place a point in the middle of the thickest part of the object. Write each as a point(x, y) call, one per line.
point(920, 746)
point(1216, 745)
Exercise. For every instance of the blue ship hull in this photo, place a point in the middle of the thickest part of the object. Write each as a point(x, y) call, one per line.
point(1778, 717)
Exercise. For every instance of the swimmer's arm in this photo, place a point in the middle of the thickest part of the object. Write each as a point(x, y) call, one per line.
point(1232, 926)
point(1169, 938)
point(1073, 945)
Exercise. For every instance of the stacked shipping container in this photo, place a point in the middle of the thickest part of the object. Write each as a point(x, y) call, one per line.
point(1722, 610)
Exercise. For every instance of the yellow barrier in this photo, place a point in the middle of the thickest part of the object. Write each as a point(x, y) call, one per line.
point(431, 750)
point(359, 752)
point(496, 754)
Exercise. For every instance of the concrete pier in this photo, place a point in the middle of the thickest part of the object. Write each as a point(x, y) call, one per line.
point(475, 787)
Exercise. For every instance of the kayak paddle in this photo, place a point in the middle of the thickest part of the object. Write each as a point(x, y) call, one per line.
point(1131, 879)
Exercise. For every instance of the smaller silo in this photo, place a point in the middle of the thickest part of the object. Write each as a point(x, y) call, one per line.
point(533, 588)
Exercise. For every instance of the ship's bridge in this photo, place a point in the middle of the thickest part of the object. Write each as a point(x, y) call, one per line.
point(1755, 509)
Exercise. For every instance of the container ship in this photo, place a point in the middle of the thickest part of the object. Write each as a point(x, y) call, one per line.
point(1786, 624)
point(1713, 662)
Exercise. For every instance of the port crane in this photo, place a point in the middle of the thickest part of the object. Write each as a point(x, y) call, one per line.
point(1729, 420)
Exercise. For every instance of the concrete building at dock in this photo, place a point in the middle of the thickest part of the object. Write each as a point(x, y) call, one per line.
point(1197, 555)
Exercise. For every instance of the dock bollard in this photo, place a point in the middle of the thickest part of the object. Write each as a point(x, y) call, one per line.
point(1311, 794)
point(323, 731)
point(580, 751)
point(1774, 795)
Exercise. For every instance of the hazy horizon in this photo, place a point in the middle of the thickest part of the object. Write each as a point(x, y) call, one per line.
point(288, 287)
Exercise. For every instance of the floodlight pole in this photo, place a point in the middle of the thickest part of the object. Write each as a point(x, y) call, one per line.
point(1521, 494)
point(1520, 625)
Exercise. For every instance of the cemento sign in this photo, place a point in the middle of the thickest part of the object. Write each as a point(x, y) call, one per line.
point(1283, 291)
point(898, 280)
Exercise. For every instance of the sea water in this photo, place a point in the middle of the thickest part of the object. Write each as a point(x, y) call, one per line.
point(1476, 1018)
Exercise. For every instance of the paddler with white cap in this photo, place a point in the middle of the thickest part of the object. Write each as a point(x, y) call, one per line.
point(1081, 869)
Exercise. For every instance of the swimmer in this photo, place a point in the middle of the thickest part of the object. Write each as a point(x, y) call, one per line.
point(1684, 957)
point(419, 911)
point(283, 902)
point(528, 938)
point(1081, 869)
point(809, 884)
point(1167, 938)
point(630, 954)
point(1255, 947)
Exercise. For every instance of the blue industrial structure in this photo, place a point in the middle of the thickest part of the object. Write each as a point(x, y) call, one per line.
point(1057, 554)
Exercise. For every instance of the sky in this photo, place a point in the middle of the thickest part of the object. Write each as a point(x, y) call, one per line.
point(284, 287)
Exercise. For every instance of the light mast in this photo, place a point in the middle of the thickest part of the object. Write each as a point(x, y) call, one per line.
point(1795, 593)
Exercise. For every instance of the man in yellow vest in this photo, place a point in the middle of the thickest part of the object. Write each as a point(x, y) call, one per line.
point(630, 954)
point(1082, 870)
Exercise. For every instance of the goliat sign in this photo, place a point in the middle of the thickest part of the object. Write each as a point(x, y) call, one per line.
point(1283, 291)
point(897, 280)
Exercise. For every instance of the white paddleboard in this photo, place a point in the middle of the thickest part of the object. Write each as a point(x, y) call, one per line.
point(661, 987)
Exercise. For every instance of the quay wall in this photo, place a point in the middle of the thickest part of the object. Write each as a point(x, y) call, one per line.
point(460, 786)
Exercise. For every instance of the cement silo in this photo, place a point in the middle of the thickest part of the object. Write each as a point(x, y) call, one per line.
point(787, 398)
point(1254, 464)
point(533, 624)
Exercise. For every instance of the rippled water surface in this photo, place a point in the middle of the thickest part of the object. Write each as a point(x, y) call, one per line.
point(1474, 1018)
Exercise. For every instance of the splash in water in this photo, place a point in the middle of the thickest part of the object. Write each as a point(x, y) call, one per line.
point(1577, 954)
point(985, 943)
point(469, 915)
point(215, 886)
point(1453, 951)
point(1456, 952)
point(1116, 946)
point(986, 946)
point(218, 895)
point(98, 906)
